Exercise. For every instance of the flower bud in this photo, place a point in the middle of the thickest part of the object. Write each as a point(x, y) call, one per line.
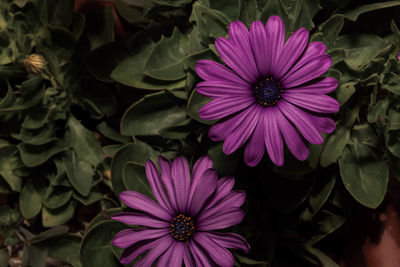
point(35, 64)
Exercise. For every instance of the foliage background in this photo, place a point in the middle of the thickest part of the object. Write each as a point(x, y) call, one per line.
point(119, 89)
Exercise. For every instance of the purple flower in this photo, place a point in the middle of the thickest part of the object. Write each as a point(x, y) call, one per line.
point(398, 56)
point(181, 226)
point(271, 91)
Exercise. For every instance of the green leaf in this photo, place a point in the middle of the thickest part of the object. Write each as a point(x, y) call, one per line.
point(51, 218)
point(275, 8)
point(151, 114)
point(86, 146)
point(345, 91)
point(320, 192)
point(9, 164)
point(58, 198)
point(97, 249)
point(325, 260)
point(378, 111)
point(393, 142)
point(33, 156)
point(244, 261)
point(29, 201)
point(135, 179)
point(210, 23)
point(101, 99)
point(222, 163)
point(334, 145)
point(8, 216)
point(325, 223)
point(57, 13)
point(137, 152)
point(354, 13)
point(100, 27)
point(395, 30)
point(247, 11)
point(111, 133)
point(94, 196)
point(79, 172)
point(228, 7)
point(165, 61)
point(37, 137)
point(394, 120)
point(365, 174)
point(331, 29)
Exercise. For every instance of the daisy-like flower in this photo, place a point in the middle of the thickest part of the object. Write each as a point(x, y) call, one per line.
point(271, 91)
point(180, 228)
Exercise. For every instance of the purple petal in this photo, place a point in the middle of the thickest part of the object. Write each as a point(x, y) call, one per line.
point(234, 199)
point(202, 164)
point(323, 124)
point(313, 50)
point(204, 189)
point(199, 256)
point(276, 37)
point(173, 256)
point(224, 187)
point(148, 259)
point(133, 218)
point(222, 220)
point(221, 130)
point(240, 135)
point(128, 237)
point(259, 44)
point(213, 71)
point(237, 59)
point(222, 89)
point(156, 186)
point(181, 181)
point(255, 148)
point(220, 255)
point(291, 52)
point(187, 257)
point(294, 141)
point(273, 138)
point(132, 252)
point(310, 70)
point(165, 167)
point(316, 103)
point(222, 107)
point(323, 85)
point(302, 121)
point(229, 240)
point(138, 201)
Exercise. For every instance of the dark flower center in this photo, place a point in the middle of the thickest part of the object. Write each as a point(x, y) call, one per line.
point(182, 227)
point(268, 92)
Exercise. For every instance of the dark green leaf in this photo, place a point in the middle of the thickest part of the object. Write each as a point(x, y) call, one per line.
point(195, 102)
point(51, 218)
point(247, 11)
point(151, 114)
point(79, 172)
point(354, 13)
point(33, 156)
point(334, 145)
point(100, 27)
point(331, 29)
point(29, 201)
point(134, 177)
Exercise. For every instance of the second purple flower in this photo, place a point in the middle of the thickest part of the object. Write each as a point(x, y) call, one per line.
point(272, 91)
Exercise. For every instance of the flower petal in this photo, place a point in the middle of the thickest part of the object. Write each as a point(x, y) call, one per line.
point(132, 218)
point(173, 256)
point(222, 89)
point(212, 71)
point(222, 107)
point(229, 240)
point(201, 258)
point(156, 186)
point(220, 255)
point(323, 124)
point(240, 135)
point(132, 252)
point(310, 70)
point(316, 103)
point(273, 138)
point(221, 220)
point(234, 199)
point(221, 130)
point(294, 141)
point(276, 38)
point(128, 237)
point(313, 50)
point(165, 167)
point(291, 52)
point(239, 35)
point(323, 85)
point(138, 201)
point(155, 252)
point(181, 180)
point(224, 187)
point(202, 164)
point(255, 148)
point(302, 121)
point(204, 189)
point(187, 257)
point(259, 44)
point(237, 59)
